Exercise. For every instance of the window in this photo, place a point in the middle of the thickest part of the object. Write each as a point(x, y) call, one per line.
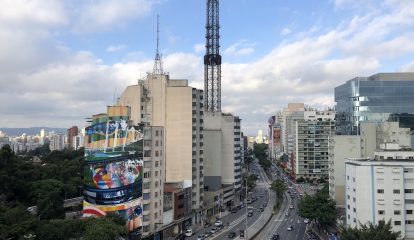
point(156, 133)
point(381, 212)
point(156, 143)
point(396, 191)
point(347, 196)
point(380, 191)
point(409, 221)
point(397, 223)
point(146, 196)
point(156, 164)
point(353, 179)
point(397, 212)
point(156, 173)
point(147, 153)
point(353, 199)
point(408, 170)
point(156, 153)
point(156, 194)
point(409, 211)
point(146, 207)
point(349, 207)
point(354, 209)
point(408, 190)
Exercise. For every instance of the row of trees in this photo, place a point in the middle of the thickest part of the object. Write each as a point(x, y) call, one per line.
point(260, 151)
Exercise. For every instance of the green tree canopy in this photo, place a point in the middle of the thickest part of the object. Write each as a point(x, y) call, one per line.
point(279, 187)
point(381, 231)
point(318, 207)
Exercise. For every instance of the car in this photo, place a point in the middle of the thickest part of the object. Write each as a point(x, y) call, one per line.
point(261, 209)
point(291, 207)
point(264, 204)
point(231, 235)
point(189, 232)
point(250, 214)
point(301, 194)
point(207, 234)
point(213, 230)
point(261, 195)
point(306, 221)
point(292, 196)
point(206, 225)
point(201, 237)
point(218, 223)
point(287, 214)
point(290, 228)
point(275, 236)
point(234, 210)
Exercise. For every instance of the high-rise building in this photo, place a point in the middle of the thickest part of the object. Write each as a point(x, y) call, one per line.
point(378, 98)
point(222, 156)
point(56, 142)
point(71, 133)
point(311, 135)
point(158, 100)
point(381, 188)
point(114, 174)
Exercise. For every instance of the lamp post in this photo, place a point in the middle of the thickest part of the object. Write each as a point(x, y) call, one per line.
point(245, 234)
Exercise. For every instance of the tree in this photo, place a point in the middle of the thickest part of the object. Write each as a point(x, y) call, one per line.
point(382, 231)
point(6, 155)
point(50, 206)
point(319, 207)
point(15, 222)
point(279, 187)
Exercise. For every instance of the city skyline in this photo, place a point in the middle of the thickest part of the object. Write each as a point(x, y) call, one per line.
point(59, 58)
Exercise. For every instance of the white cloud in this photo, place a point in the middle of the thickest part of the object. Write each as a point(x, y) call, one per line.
point(115, 48)
point(285, 31)
point(240, 48)
point(199, 48)
point(104, 15)
point(56, 86)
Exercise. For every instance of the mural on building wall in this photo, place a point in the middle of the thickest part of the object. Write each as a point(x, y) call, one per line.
point(114, 167)
point(131, 211)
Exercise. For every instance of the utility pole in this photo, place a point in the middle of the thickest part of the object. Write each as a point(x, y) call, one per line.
point(212, 59)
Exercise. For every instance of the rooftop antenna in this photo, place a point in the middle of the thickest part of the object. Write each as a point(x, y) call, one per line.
point(158, 61)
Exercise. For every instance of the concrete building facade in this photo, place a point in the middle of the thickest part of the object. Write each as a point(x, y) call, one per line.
point(381, 188)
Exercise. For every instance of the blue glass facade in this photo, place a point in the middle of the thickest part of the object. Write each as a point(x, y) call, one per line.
point(378, 98)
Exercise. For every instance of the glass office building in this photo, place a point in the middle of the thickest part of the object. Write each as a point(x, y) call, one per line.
point(378, 98)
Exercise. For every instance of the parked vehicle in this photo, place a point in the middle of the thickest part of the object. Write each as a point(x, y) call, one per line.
point(189, 232)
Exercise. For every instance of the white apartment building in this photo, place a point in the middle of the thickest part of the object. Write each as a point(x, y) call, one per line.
point(153, 181)
point(360, 146)
point(160, 101)
point(381, 189)
point(56, 142)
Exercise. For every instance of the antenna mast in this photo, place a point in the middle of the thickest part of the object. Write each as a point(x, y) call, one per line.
point(212, 59)
point(158, 61)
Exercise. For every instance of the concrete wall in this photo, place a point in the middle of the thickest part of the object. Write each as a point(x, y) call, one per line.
point(179, 134)
point(132, 97)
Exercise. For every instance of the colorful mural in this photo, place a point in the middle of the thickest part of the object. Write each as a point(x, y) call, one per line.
point(131, 211)
point(113, 174)
point(113, 170)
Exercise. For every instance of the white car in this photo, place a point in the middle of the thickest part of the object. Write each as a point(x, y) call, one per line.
point(291, 207)
point(218, 223)
point(290, 228)
point(189, 232)
point(306, 221)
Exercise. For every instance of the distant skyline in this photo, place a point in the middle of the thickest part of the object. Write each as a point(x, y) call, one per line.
point(62, 61)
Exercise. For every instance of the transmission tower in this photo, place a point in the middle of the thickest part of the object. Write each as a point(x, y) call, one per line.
point(212, 59)
point(158, 61)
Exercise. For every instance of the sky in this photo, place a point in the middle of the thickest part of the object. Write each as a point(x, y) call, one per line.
point(63, 61)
